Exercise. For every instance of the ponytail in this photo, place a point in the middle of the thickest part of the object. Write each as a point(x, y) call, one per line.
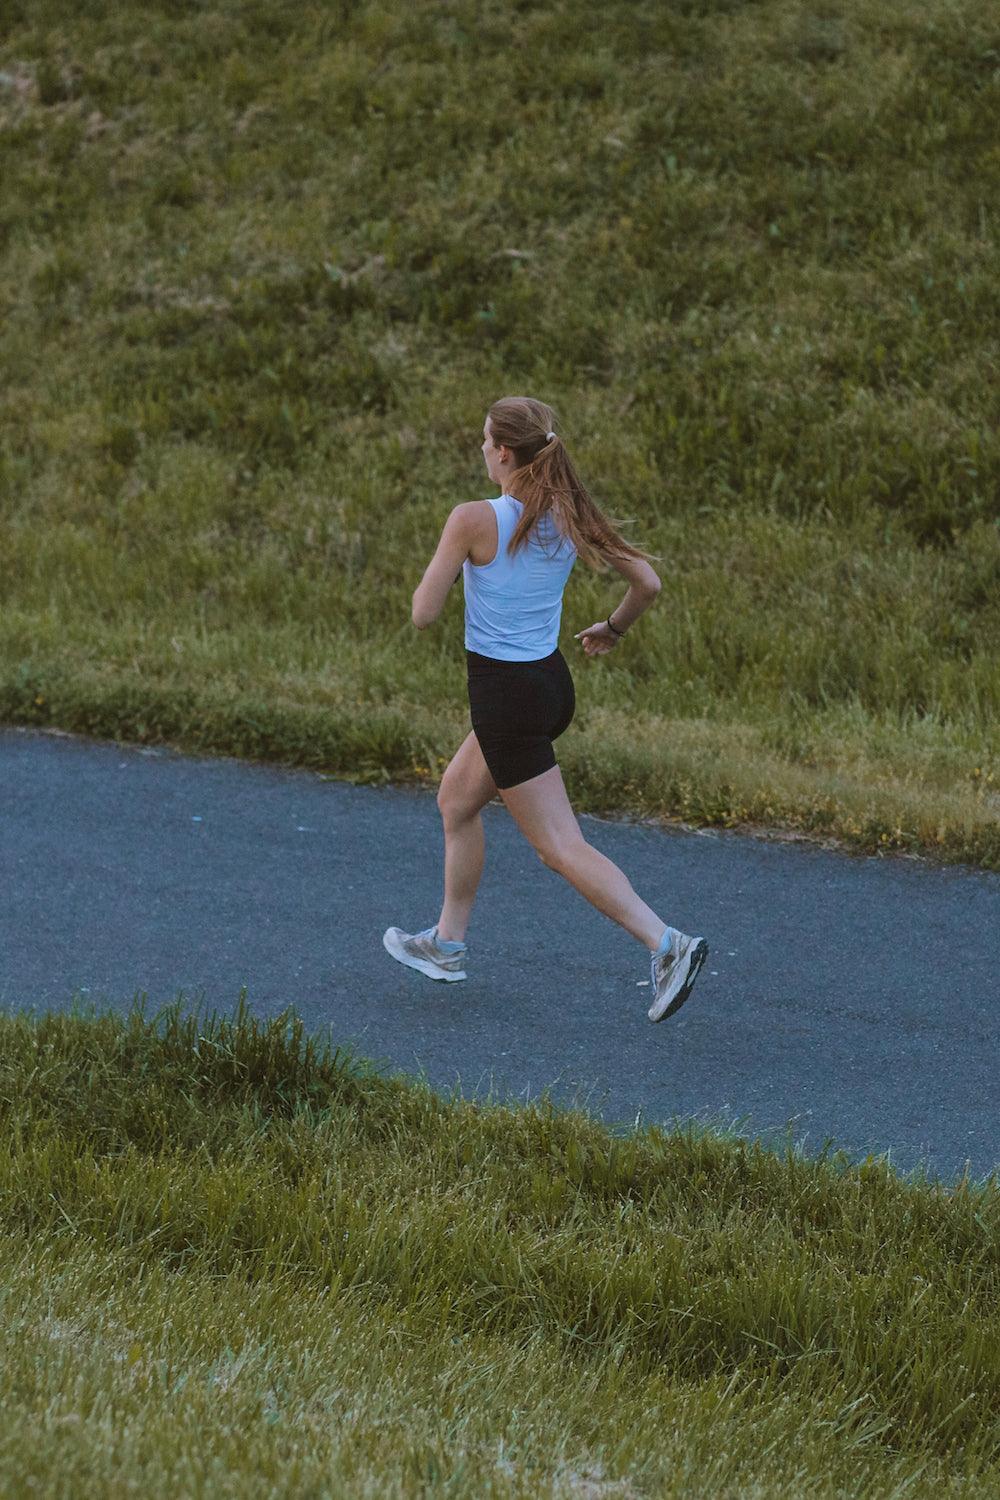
point(545, 480)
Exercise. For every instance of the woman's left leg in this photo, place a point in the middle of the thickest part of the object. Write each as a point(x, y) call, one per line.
point(466, 787)
point(542, 811)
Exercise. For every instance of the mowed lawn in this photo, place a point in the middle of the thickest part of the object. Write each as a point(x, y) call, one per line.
point(263, 268)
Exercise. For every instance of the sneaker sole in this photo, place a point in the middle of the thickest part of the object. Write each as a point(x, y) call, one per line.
point(696, 956)
point(392, 945)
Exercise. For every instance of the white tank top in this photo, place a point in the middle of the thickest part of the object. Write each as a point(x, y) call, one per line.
point(513, 605)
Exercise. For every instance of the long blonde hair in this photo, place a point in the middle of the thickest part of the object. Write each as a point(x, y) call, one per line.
point(544, 480)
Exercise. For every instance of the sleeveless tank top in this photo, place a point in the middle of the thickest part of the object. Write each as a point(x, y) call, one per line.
point(513, 605)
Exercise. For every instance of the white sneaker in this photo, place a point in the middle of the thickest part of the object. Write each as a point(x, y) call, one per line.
point(673, 973)
point(420, 950)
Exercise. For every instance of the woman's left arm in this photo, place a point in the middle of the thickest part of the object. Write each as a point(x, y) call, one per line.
point(431, 592)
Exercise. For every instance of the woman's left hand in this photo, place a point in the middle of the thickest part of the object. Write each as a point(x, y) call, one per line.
point(598, 639)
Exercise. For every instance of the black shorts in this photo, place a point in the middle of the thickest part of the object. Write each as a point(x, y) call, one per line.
point(518, 708)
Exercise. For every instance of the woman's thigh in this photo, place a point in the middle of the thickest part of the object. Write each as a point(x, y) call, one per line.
point(542, 811)
point(467, 785)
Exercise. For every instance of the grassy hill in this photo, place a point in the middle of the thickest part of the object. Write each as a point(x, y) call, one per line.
point(237, 1262)
point(264, 267)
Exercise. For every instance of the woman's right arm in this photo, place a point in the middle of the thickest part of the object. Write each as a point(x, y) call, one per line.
point(644, 585)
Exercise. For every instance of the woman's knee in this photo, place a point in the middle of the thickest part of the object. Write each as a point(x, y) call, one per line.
point(563, 856)
point(451, 805)
point(461, 804)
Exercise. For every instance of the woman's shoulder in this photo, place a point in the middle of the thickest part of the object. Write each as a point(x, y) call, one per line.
point(477, 508)
point(482, 513)
point(478, 513)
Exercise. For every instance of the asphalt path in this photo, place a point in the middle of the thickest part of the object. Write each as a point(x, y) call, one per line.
point(846, 1001)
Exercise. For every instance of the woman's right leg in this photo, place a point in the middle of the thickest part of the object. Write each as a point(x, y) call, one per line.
point(542, 811)
point(466, 788)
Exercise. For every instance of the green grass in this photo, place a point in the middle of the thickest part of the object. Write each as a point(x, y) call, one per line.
point(263, 268)
point(239, 1261)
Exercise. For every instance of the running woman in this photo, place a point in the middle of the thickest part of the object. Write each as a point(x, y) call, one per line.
point(515, 554)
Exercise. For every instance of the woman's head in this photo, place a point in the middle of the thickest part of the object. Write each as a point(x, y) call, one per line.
point(527, 458)
point(520, 425)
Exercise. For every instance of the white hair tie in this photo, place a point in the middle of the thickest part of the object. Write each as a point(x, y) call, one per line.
point(549, 436)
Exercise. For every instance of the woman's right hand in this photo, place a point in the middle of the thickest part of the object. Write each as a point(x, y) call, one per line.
point(598, 639)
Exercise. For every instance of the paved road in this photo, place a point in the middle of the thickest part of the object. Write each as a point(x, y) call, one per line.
point(851, 1000)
